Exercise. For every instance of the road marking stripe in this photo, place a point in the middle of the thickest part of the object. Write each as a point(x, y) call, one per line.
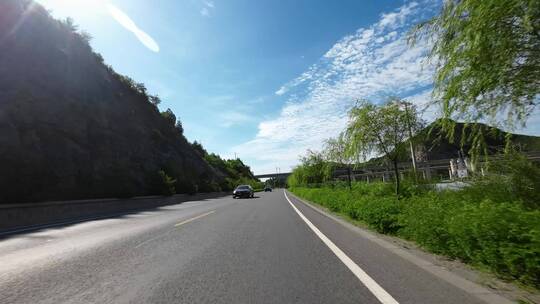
point(179, 224)
point(381, 294)
point(194, 218)
point(151, 239)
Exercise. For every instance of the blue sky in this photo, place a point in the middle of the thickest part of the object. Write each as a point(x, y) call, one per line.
point(263, 79)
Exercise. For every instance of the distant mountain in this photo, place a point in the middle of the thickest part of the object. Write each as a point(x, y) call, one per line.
point(438, 146)
point(433, 143)
point(71, 127)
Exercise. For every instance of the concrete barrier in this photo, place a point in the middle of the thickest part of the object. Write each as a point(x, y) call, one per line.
point(15, 217)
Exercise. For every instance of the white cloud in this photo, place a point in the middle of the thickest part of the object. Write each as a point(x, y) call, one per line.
point(124, 20)
point(226, 104)
point(395, 19)
point(208, 7)
point(533, 124)
point(205, 12)
point(281, 90)
point(372, 63)
point(423, 102)
point(231, 118)
point(304, 77)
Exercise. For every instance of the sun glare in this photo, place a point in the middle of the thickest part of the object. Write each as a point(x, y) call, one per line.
point(76, 6)
point(90, 5)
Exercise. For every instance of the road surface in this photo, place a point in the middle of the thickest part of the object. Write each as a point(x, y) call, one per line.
point(262, 250)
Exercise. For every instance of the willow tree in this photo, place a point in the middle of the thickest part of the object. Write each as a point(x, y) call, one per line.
point(487, 58)
point(313, 169)
point(336, 150)
point(382, 130)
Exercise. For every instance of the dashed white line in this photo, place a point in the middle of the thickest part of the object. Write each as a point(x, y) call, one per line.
point(382, 295)
point(152, 239)
point(194, 218)
point(177, 225)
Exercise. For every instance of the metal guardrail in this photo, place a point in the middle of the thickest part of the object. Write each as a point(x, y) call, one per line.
point(285, 175)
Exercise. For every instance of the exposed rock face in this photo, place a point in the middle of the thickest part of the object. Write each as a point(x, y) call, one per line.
point(70, 127)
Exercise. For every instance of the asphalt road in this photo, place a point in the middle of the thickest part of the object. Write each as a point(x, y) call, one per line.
point(221, 250)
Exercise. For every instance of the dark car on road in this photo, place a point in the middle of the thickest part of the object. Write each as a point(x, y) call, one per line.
point(243, 191)
point(267, 189)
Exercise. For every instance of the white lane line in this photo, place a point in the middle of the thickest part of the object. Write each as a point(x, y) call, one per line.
point(381, 294)
point(194, 218)
point(179, 224)
point(152, 239)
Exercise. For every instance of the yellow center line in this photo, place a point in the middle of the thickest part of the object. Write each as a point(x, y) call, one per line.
point(194, 218)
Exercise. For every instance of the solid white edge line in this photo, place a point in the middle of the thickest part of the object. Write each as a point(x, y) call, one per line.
point(382, 295)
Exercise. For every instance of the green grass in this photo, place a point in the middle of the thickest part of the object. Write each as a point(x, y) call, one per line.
point(483, 225)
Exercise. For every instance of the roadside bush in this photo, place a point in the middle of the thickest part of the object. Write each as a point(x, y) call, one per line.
point(381, 214)
point(476, 225)
point(360, 189)
point(513, 179)
point(424, 220)
point(411, 187)
point(502, 236)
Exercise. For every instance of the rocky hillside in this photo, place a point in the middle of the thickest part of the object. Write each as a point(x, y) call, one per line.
point(71, 127)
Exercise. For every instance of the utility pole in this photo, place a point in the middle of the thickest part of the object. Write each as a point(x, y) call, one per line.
point(413, 155)
point(278, 172)
point(276, 179)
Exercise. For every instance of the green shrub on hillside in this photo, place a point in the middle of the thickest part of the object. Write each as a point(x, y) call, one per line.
point(235, 172)
point(167, 185)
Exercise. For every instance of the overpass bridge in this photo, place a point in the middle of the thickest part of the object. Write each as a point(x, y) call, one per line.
point(281, 175)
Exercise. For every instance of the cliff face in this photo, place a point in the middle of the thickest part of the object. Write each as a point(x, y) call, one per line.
point(70, 127)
